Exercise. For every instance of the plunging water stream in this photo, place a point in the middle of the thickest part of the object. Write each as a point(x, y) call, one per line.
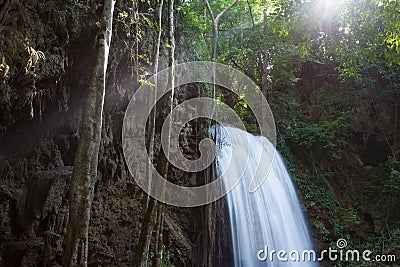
point(269, 218)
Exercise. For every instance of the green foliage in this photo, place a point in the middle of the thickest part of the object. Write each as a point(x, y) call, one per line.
point(319, 198)
point(243, 110)
point(369, 33)
point(323, 124)
point(167, 257)
point(135, 25)
point(320, 133)
point(393, 185)
point(322, 62)
point(379, 244)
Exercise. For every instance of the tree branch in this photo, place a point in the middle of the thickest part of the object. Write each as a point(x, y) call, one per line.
point(209, 10)
point(251, 14)
point(235, 29)
point(215, 25)
point(225, 10)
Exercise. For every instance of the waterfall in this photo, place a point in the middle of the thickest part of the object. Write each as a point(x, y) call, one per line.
point(269, 218)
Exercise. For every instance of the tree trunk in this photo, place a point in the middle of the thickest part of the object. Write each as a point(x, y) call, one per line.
point(140, 257)
point(264, 60)
point(142, 248)
point(158, 251)
point(155, 209)
point(152, 101)
point(158, 240)
point(210, 209)
point(215, 21)
point(215, 41)
point(86, 159)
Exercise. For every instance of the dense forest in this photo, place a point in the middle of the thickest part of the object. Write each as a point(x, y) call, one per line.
point(330, 71)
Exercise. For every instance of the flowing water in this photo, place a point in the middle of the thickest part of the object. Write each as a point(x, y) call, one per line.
point(269, 218)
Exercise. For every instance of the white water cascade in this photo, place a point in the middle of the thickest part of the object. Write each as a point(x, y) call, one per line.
point(268, 219)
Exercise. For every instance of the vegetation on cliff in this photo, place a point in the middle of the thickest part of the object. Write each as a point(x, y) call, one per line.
point(329, 69)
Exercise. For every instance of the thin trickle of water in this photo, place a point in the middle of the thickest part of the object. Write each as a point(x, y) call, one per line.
point(269, 218)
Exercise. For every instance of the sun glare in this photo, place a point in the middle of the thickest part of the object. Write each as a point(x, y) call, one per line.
point(326, 8)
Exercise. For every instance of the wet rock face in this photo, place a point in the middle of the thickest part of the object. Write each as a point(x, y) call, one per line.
point(33, 57)
point(45, 201)
point(38, 214)
point(46, 58)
